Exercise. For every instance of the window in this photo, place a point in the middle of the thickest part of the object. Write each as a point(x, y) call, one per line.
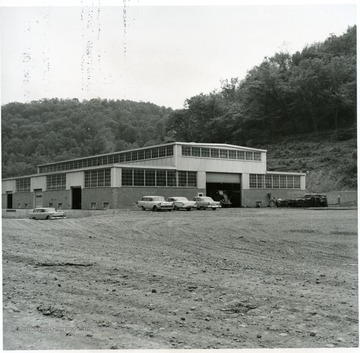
point(282, 181)
point(162, 152)
point(93, 205)
point(139, 177)
point(186, 150)
point(23, 184)
point(249, 156)
point(223, 154)
point(296, 181)
point(214, 153)
point(268, 181)
point(276, 181)
point(155, 153)
point(106, 205)
point(240, 155)
point(257, 156)
point(289, 182)
point(170, 150)
point(260, 181)
point(60, 205)
point(127, 177)
point(205, 152)
point(128, 157)
point(252, 181)
point(97, 178)
point(161, 178)
point(171, 178)
point(182, 178)
point(148, 154)
point(232, 154)
point(134, 156)
point(149, 177)
point(141, 154)
point(56, 182)
point(192, 179)
point(195, 151)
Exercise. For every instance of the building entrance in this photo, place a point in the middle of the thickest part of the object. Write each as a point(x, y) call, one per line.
point(225, 192)
point(9, 200)
point(76, 198)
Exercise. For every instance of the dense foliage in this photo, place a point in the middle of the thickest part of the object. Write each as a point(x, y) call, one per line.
point(52, 130)
point(311, 91)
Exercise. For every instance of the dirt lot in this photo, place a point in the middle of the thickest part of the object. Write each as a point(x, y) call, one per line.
point(235, 278)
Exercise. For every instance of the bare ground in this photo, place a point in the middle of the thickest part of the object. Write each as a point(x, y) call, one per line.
point(235, 278)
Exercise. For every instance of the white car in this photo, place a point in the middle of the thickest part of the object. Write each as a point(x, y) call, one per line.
point(155, 203)
point(204, 202)
point(46, 213)
point(182, 203)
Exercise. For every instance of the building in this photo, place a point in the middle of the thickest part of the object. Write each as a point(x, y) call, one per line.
point(119, 179)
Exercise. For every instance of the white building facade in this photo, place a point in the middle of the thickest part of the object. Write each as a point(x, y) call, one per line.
point(119, 179)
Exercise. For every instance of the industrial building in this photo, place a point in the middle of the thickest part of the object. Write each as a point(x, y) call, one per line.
point(119, 179)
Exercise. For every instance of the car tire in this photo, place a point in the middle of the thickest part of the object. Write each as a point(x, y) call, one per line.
point(47, 217)
point(214, 208)
point(188, 209)
point(143, 208)
point(154, 209)
point(176, 208)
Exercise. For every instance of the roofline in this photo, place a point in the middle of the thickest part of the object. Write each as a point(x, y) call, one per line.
point(221, 145)
point(285, 173)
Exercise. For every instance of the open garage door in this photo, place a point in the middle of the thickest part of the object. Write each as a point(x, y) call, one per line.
point(223, 187)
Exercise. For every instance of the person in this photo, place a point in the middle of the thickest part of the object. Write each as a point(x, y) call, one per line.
point(338, 199)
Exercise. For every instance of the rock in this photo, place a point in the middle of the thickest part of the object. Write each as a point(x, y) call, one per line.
point(154, 291)
point(258, 336)
point(312, 333)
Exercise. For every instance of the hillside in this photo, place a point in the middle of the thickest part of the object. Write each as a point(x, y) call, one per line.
point(58, 129)
point(330, 165)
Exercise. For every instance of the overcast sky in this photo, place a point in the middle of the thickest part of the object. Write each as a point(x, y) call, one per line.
point(159, 54)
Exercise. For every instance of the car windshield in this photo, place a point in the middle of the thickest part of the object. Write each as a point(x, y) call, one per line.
point(180, 199)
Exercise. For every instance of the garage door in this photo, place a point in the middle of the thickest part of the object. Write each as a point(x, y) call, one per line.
point(222, 178)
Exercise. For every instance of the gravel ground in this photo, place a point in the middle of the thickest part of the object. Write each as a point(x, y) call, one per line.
point(233, 278)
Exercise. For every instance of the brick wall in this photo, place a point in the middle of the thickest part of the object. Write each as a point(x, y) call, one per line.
point(97, 196)
point(56, 197)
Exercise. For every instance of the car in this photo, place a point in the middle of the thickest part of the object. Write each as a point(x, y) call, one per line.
point(181, 203)
point(155, 203)
point(205, 202)
point(46, 213)
point(313, 200)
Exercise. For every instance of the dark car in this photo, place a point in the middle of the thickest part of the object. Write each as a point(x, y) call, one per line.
point(313, 200)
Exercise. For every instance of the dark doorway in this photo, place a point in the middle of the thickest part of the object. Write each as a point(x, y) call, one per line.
point(76, 198)
point(9, 201)
point(231, 190)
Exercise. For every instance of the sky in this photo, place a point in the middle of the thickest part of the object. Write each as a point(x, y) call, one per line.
point(160, 54)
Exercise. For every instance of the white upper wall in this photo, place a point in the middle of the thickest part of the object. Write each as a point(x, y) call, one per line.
point(223, 165)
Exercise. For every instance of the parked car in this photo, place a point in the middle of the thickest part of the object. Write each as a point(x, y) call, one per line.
point(204, 202)
point(155, 203)
point(46, 213)
point(182, 203)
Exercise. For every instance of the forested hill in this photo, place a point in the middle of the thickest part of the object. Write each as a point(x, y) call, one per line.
point(287, 97)
point(307, 92)
point(52, 130)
